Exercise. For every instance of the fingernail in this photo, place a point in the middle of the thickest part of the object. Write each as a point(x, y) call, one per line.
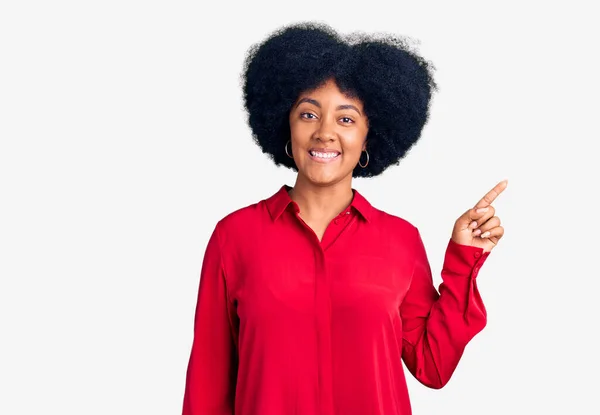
point(481, 210)
point(485, 234)
point(473, 224)
point(476, 232)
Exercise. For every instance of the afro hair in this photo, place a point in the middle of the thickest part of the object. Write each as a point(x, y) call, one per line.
point(393, 82)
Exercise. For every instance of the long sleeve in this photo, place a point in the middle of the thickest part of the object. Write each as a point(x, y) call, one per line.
point(212, 369)
point(438, 326)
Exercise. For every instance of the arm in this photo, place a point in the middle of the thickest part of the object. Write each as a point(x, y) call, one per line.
point(212, 369)
point(437, 327)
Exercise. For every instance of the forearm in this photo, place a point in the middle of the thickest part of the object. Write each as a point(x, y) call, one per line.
point(437, 327)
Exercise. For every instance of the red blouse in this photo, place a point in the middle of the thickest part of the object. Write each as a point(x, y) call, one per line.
point(287, 324)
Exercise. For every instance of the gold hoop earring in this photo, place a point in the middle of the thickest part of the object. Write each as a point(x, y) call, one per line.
point(286, 149)
point(367, 163)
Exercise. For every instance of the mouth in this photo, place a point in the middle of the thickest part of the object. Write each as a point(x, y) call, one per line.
point(324, 156)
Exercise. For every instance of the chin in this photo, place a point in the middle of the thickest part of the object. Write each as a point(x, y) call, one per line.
point(324, 175)
point(324, 180)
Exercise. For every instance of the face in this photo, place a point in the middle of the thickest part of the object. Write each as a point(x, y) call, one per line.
point(328, 134)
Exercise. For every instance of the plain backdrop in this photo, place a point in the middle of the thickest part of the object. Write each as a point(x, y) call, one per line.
point(123, 141)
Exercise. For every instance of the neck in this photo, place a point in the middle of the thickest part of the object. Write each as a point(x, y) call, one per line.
point(321, 202)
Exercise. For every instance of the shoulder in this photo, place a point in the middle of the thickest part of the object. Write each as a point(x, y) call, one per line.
point(395, 223)
point(243, 224)
point(395, 237)
point(380, 220)
point(243, 216)
point(396, 231)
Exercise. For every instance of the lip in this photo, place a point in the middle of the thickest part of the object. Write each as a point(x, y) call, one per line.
point(324, 150)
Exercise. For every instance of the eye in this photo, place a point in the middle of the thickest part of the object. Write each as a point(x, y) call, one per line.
point(347, 120)
point(308, 115)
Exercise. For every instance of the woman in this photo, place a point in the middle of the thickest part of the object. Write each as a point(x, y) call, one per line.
point(310, 300)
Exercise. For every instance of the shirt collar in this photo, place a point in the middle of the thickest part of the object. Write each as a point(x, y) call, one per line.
point(280, 201)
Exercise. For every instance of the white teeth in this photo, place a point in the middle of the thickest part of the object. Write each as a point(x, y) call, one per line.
point(323, 155)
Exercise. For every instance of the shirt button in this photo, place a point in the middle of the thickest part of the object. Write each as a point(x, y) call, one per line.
point(477, 254)
point(347, 213)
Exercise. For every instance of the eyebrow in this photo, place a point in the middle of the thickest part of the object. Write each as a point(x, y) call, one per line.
point(339, 107)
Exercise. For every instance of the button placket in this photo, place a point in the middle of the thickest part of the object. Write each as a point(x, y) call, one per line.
point(323, 325)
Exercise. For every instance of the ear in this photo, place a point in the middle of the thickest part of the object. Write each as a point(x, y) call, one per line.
point(364, 147)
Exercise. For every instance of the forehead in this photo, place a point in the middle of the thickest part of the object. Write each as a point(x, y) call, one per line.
point(329, 91)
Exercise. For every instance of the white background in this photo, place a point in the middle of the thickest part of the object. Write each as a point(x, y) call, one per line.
point(123, 140)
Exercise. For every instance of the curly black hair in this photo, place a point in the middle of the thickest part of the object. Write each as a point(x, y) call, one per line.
point(393, 82)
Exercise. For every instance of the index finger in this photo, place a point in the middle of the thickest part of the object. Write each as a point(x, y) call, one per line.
point(492, 194)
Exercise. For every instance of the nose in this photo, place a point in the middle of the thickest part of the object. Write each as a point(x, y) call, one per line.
point(326, 130)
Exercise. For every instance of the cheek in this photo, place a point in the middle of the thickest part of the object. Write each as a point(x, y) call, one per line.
point(353, 146)
point(301, 130)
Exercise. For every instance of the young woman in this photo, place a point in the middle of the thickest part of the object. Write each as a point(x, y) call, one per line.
point(310, 300)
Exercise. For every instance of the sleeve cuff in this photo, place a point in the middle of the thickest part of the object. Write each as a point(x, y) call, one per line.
point(463, 260)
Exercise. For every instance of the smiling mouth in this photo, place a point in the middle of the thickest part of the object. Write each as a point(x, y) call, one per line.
point(324, 156)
